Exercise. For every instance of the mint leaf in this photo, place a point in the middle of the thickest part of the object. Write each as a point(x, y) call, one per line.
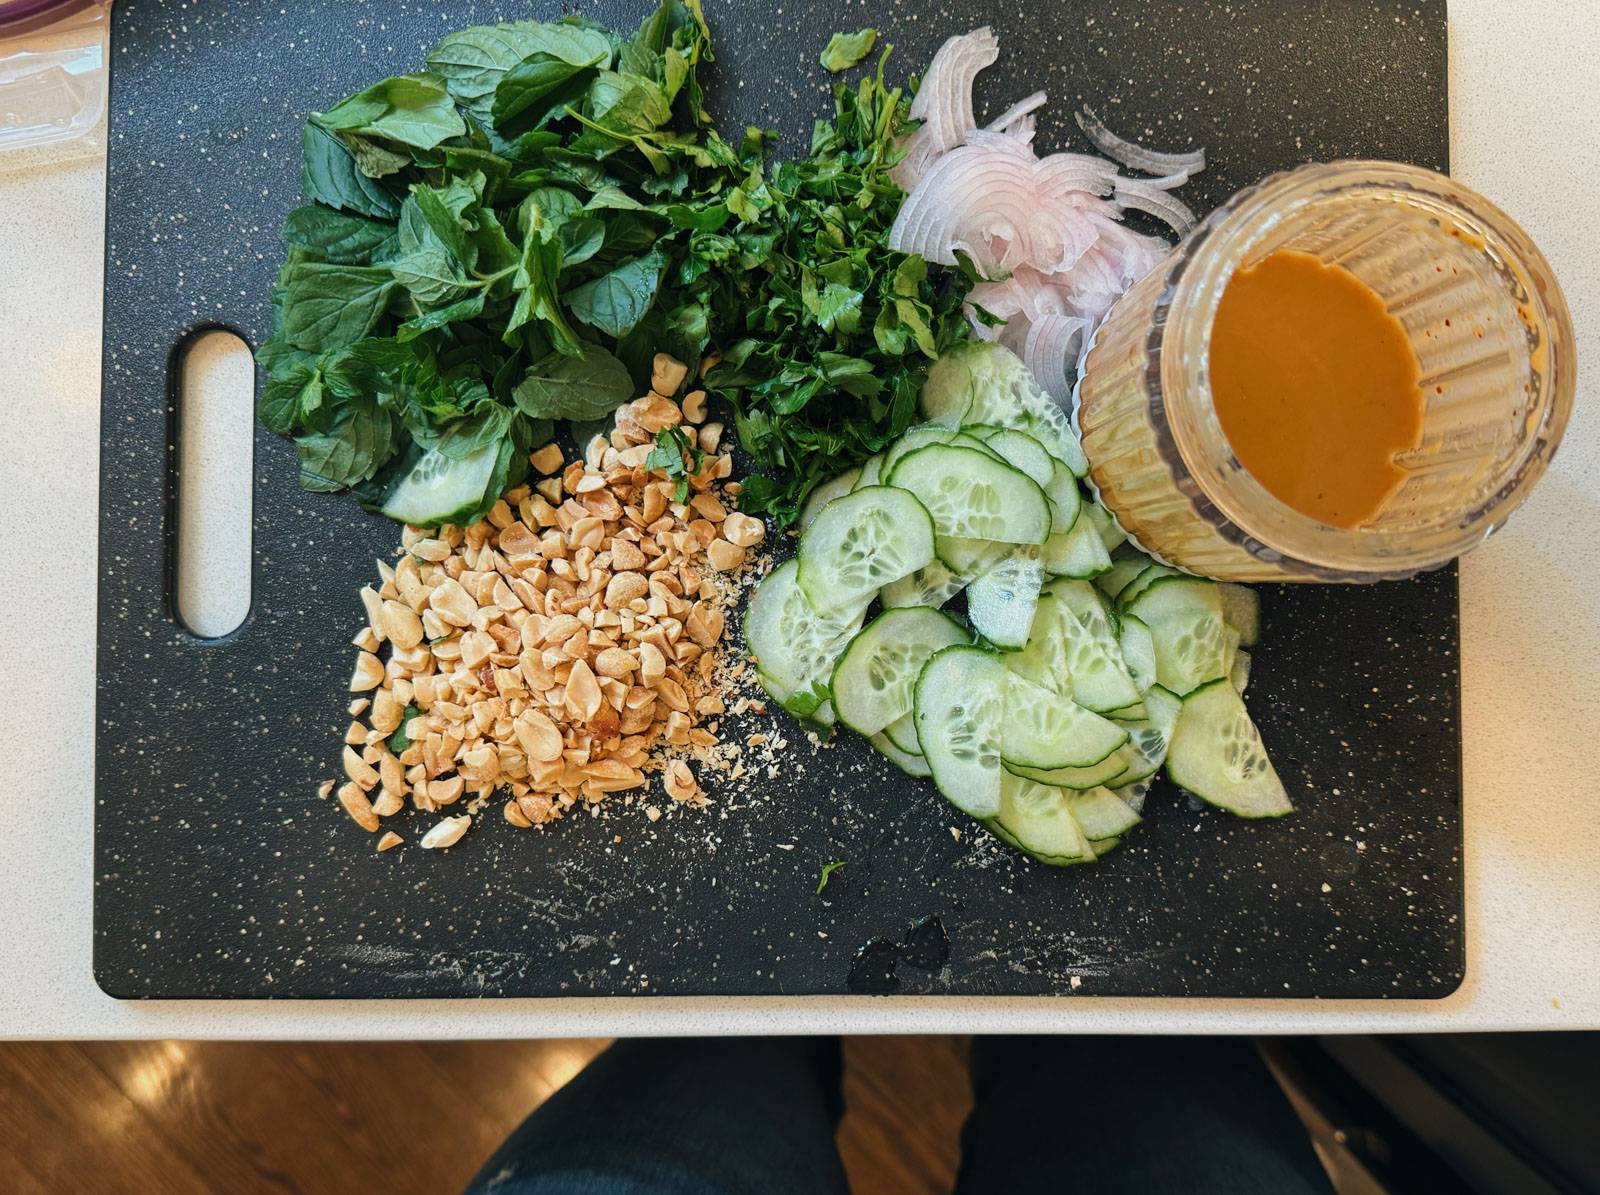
point(616, 301)
point(535, 284)
point(587, 386)
point(331, 306)
point(328, 175)
point(414, 110)
point(535, 77)
point(844, 50)
point(340, 237)
point(472, 62)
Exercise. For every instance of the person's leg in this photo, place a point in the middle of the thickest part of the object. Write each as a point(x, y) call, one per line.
point(683, 1117)
point(1131, 1114)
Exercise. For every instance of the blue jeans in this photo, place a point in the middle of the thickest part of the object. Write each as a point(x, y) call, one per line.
point(1051, 1114)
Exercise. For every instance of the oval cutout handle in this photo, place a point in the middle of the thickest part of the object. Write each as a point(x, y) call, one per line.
point(213, 459)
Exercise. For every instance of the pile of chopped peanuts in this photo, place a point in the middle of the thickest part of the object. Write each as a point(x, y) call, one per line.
point(560, 649)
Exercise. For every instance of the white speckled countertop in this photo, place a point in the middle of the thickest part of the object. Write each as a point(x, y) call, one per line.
point(1525, 113)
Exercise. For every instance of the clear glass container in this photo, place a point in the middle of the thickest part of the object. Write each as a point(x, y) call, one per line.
point(1480, 306)
point(53, 81)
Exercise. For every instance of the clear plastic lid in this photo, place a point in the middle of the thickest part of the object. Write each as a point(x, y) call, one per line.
point(52, 80)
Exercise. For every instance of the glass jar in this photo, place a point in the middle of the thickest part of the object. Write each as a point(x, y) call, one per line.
point(1480, 306)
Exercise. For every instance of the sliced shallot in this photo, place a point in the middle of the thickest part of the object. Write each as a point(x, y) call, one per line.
point(1133, 155)
point(1137, 193)
point(943, 102)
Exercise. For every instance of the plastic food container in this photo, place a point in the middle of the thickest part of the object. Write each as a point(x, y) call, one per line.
point(52, 80)
point(1480, 307)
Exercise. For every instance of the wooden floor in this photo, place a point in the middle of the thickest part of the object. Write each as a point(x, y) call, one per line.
point(170, 1118)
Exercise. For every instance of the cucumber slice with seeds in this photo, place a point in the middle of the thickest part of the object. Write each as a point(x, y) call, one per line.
point(1100, 680)
point(1149, 737)
point(441, 489)
point(1184, 615)
point(1216, 754)
point(968, 557)
point(1076, 553)
point(1046, 731)
point(1101, 813)
point(984, 383)
point(824, 494)
point(1038, 821)
point(873, 679)
point(932, 585)
point(795, 647)
point(1001, 603)
point(1138, 651)
point(974, 496)
point(959, 705)
point(860, 543)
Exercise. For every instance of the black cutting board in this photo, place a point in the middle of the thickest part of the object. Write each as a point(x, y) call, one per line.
point(220, 874)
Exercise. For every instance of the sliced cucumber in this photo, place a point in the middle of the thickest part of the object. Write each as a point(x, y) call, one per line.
point(1021, 451)
point(1100, 679)
point(1076, 553)
point(947, 393)
point(1104, 846)
point(873, 679)
point(871, 473)
point(932, 585)
point(968, 557)
point(860, 543)
point(1147, 576)
point(1101, 813)
point(1000, 603)
point(911, 765)
point(1066, 500)
point(902, 732)
point(1217, 755)
point(824, 494)
point(925, 434)
point(1126, 564)
point(981, 383)
point(1138, 651)
point(1107, 772)
point(1241, 609)
point(1037, 820)
point(1149, 737)
point(1184, 615)
point(960, 707)
point(794, 646)
point(1133, 795)
point(1111, 536)
point(1046, 731)
point(1043, 659)
point(441, 490)
point(974, 496)
point(1239, 675)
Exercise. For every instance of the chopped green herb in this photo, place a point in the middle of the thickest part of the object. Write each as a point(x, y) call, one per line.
point(399, 740)
point(827, 873)
point(675, 456)
point(844, 50)
point(507, 238)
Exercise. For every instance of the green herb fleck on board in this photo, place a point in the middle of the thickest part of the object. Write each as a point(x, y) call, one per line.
point(827, 873)
point(400, 740)
point(844, 50)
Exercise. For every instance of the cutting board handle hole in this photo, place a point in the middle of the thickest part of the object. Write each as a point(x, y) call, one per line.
point(212, 460)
